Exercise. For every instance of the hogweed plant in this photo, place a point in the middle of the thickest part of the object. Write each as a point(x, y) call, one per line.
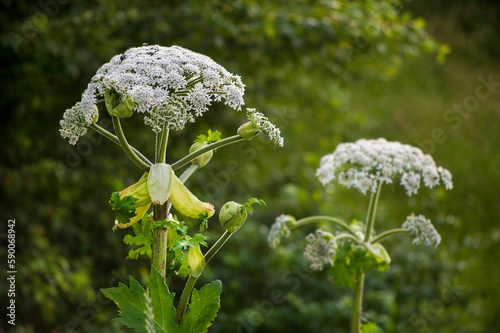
point(355, 248)
point(170, 87)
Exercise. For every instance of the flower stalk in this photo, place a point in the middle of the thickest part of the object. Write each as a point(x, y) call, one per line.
point(188, 158)
point(126, 147)
point(188, 288)
point(357, 303)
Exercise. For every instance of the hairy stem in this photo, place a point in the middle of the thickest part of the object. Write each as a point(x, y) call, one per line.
point(188, 158)
point(188, 288)
point(319, 218)
point(115, 140)
point(126, 147)
point(389, 233)
point(357, 303)
point(159, 254)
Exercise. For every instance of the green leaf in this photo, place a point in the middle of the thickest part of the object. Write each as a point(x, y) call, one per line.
point(351, 257)
point(203, 308)
point(143, 238)
point(370, 327)
point(248, 205)
point(124, 208)
point(209, 138)
point(131, 302)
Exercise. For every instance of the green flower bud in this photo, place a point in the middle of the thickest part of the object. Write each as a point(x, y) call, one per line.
point(160, 183)
point(232, 216)
point(248, 130)
point(117, 107)
point(196, 261)
point(203, 159)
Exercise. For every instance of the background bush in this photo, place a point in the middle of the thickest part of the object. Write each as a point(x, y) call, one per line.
point(325, 72)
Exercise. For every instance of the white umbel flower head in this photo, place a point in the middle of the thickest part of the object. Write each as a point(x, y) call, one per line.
point(365, 164)
point(280, 229)
point(167, 84)
point(423, 230)
point(320, 249)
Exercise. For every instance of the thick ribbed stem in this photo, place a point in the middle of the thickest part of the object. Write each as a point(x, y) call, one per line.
point(159, 254)
point(357, 303)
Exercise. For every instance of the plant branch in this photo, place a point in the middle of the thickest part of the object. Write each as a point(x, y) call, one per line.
point(188, 288)
point(318, 218)
point(188, 158)
point(126, 147)
point(115, 140)
point(389, 233)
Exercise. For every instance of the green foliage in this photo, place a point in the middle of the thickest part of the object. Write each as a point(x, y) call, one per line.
point(124, 208)
point(204, 306)
point(352, 257)
point(143, 238)
point(247, 206)
point(370, 327)
point(212, 136)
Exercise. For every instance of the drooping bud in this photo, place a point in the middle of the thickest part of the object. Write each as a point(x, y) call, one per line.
point(116, 107)
point(203, 159)
point(248, 130)
point(187, 203)
point(232, 216)
point(160, 183)
point(196, 261)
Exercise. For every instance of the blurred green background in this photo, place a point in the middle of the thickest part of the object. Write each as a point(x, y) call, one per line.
point(325, 72)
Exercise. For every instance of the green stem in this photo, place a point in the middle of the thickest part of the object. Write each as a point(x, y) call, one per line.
point(115, 140)
point(126, 147)
point(189, 171)
point(163, 145)
point(357, 303)
point(312, 219)
point(389, 233)
point(188, 289)
point(188, 158)
point(372, 212)
point(159, 251)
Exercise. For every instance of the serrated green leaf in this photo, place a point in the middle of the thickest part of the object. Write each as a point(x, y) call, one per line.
point(204, 306)
point(143, 238)
point(131, 302)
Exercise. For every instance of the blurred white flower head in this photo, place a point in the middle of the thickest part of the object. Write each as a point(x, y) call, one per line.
point(167, 84)
point(365, 164)
point(320, 249)
point(280, 229)
point(423, 230)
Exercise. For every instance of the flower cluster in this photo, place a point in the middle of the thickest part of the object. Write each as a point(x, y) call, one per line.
point(423, 230)
point(320, 249)
point(168, 84)
point(265, 126)
point(365, 164)
point(280, 229)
